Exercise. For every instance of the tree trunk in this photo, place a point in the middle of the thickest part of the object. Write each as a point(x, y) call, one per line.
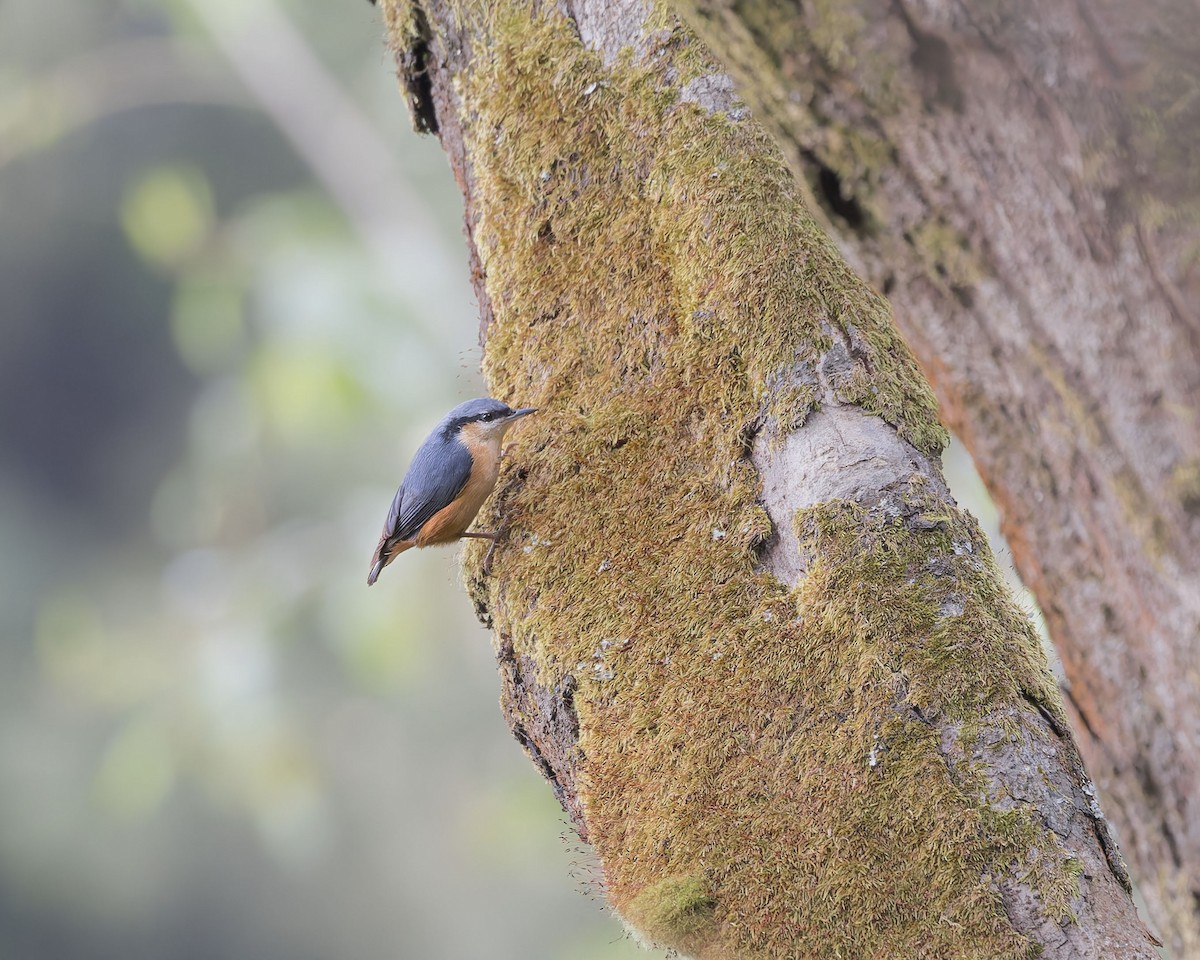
point(1023, 180)
point(767, 665)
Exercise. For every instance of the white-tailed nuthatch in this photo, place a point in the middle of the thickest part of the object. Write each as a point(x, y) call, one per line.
point(449, 478)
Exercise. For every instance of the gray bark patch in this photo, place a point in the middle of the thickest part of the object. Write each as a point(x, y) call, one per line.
point(840, 453)
point(609, 26)
point(714, 92)
point(543, 720)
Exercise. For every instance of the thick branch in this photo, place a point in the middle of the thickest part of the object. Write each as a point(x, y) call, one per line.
point(819, 728)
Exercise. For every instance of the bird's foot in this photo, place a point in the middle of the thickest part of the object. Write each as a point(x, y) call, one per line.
point(495, 537)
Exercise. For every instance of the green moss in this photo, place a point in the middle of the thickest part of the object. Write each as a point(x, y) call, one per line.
point(785, 60)
point(658, 290)
point(675, 910)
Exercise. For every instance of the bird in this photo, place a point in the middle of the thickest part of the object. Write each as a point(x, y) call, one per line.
point(450, 476)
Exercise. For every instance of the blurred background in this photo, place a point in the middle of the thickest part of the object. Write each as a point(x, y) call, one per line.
point(233, 299)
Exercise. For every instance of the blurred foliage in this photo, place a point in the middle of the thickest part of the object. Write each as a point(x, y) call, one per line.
point(219, 353)
point(167, 213)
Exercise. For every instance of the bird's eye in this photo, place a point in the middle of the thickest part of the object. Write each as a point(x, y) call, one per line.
point(488, 416)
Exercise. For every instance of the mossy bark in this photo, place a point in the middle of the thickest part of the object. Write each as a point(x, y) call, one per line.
point(766, 663)
point(1022, 178)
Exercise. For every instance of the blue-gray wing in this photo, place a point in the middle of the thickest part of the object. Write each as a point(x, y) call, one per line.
point(435, 477)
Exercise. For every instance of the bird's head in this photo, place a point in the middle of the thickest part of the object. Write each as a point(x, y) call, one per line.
point(483, 419)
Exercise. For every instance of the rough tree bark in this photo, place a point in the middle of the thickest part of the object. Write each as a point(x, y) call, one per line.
point(767, 665)
point(1023, 180)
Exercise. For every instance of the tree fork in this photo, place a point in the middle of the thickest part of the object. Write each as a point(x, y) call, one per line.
point(768, 666)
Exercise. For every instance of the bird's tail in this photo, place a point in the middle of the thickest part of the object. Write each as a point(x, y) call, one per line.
point(387, 551)
point(376, 567)
point(379, 560)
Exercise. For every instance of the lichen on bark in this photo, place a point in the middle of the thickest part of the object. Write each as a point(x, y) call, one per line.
point(764, 770)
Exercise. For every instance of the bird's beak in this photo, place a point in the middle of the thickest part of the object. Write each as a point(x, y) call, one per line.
point(517, 414)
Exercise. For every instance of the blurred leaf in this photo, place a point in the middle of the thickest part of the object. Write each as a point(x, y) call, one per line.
point(66, 624)
point(226, 424)
point(208, 323)
point(184, 511)
point(31, 117)
point(167, 213)
point(138, 769)
point(381, 655)
point(91, 662)
point(304, 392)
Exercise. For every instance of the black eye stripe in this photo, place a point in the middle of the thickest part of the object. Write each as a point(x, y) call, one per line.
point(487, 416)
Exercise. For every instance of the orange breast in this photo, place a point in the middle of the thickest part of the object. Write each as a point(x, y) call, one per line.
point(449, 523)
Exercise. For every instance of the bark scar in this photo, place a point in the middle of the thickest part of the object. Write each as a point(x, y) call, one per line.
point(415, 77)
point(545, 723)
